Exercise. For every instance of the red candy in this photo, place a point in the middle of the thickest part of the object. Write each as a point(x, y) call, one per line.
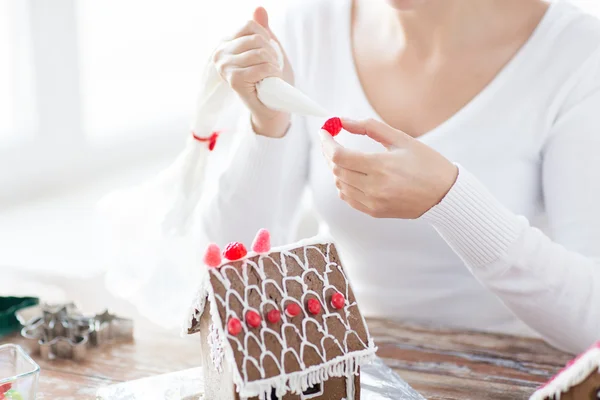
point(5, 387)
point(333, 126)
point(253, 319)
point(292, 310)
point(338, 301)
point(212, 257)
point(273, 316)
point(314, 306)
point(262, 241)
point(234, 251)
point(234, 326)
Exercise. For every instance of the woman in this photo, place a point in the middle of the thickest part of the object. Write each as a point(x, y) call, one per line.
point(509, 90)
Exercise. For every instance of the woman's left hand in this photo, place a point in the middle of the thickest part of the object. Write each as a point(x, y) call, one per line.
point(404, 182)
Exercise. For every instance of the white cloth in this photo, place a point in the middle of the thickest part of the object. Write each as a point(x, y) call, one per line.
point(529, 150)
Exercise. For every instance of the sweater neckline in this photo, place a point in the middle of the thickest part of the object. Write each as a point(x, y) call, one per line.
point(474, 103)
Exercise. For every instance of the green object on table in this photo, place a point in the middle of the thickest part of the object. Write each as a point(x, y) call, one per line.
point(8, 307)
point(12, 394)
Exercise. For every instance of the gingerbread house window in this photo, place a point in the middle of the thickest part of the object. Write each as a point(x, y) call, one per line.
point(287, 322)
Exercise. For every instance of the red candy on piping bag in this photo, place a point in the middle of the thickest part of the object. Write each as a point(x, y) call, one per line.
point(333, 126)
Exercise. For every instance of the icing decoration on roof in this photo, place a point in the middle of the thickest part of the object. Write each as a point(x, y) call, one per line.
point(314, 306)
point(235, 251)
point(292, 310)
point(294, 353)
point(212, 256)
point(333, 126)
point(274, 316)
point(262, 242)
point(234, 326)
point(575, 372)
point(338, 301)
point(253, 319)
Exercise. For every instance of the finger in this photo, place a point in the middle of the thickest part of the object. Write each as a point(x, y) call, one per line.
point(376, 130)
point(240, 77)
point(351, 191)
point(349, 177)
point(246, 43)
point(343, 157)
point(250, 28)
point(250, 58)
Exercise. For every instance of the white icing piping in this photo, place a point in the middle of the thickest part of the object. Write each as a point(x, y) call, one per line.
point(350, 387)
point(216, 342)
point(571, 376)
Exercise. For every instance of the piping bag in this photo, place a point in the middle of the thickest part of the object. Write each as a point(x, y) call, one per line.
point(148, 225)
point(182, 182)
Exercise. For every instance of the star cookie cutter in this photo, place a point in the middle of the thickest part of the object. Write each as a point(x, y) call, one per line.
point(62, 331)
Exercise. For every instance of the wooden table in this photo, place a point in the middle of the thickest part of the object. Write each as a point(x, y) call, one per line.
point(439, 363)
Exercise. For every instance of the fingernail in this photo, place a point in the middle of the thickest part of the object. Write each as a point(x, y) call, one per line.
point(323, 134)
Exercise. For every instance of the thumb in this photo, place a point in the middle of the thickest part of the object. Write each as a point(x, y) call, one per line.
point(262, 18)
point(376, 130)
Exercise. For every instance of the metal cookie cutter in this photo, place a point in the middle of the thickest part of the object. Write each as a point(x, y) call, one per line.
point(61, 331)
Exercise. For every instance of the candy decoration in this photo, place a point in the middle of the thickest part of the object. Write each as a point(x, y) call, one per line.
point(212, 140)
point(314, 306)
point(292, 310)
point(5, 387)
point(212, 257)
point(253, 319)
point(234, 326)
point(273, 316)
point(235, 251)
point(338, 301)
point(262, 241)
point(12, 394)
point(333, 126)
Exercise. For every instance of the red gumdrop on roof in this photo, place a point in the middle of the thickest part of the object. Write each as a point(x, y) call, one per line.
point(212, 256)
point(333, 126)
point(292, 310)
point(273, 316)
point(234, 251)
point(314, 306)
point(262, 241)
point(253, 319)
point(234, 326)
point(338, 301)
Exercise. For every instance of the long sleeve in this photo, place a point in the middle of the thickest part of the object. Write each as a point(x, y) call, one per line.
point(553, 285)
point(261, 186)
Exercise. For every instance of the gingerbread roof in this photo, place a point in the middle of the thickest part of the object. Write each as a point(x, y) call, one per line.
point(295, 352)
point(575, 372)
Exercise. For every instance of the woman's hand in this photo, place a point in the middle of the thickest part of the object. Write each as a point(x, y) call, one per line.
point(404, 182)
point(247, 59)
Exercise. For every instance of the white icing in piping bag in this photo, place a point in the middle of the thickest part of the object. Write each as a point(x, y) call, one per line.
point(165, 205)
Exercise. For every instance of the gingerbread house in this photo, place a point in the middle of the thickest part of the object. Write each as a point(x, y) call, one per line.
point(579, 380)
point(279, 323)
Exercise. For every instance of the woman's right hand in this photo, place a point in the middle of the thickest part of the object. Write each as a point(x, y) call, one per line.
point(247, 59)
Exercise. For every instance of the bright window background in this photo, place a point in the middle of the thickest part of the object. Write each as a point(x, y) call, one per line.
point(141, 60)
point(7, 131)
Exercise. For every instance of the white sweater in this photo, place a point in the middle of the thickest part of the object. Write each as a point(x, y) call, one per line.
point(513, 247)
